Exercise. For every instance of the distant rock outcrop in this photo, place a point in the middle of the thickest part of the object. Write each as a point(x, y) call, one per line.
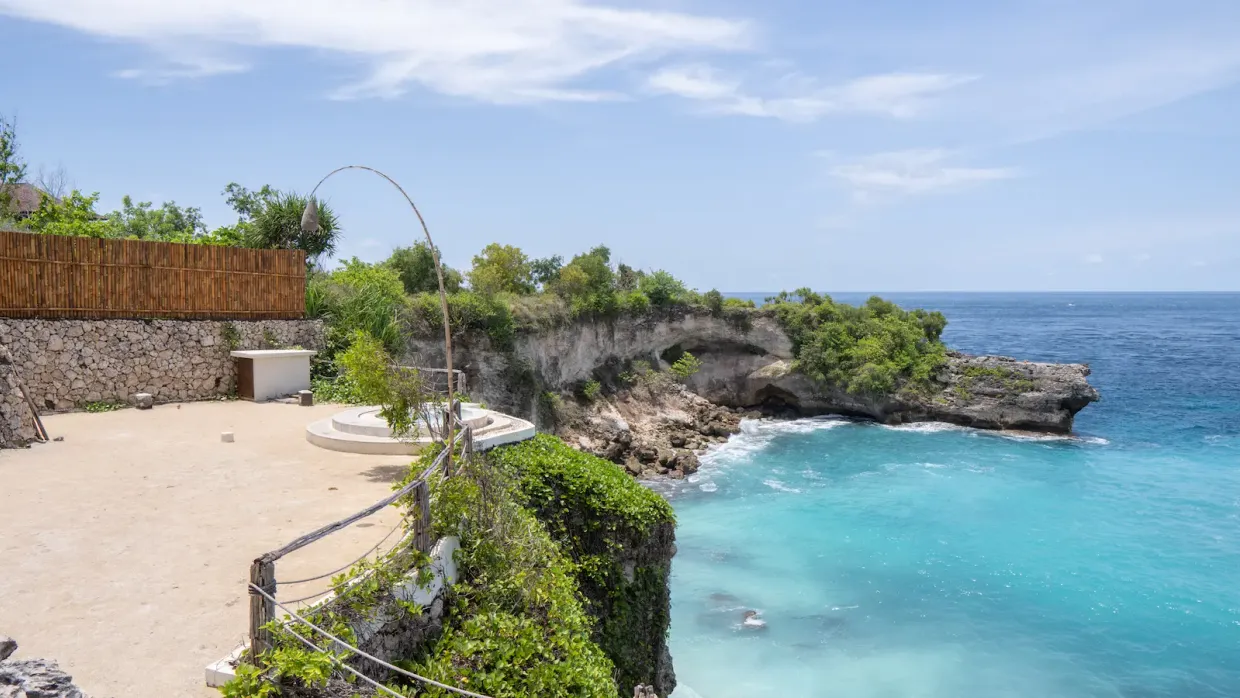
point(750, 366)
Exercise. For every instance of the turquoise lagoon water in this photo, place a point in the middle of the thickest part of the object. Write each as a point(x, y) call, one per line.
point(930, 561)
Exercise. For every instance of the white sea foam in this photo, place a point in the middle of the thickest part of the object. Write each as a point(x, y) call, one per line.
point(926, 427)
point(708, 487)
point(757, 434)
point(777, 485)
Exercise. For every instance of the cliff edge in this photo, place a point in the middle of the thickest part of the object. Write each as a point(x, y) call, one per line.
point(749, 363)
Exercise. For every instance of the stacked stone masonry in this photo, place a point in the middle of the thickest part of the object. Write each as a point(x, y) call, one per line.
point(65, 364)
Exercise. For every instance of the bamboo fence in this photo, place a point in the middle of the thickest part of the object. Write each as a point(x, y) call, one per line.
point(51, 276)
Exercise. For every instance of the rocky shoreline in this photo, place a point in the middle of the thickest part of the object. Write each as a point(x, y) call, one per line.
point(33, 678)
point(655, 428)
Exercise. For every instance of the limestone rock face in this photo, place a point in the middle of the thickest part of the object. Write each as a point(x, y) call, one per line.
point(751, 367)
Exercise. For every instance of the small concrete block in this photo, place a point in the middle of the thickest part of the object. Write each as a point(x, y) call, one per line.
point(226, 437)
point(144, 401)
point(307, 398)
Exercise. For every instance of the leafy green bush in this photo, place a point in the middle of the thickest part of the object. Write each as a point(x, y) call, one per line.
point(601, 517)
point(357, 297)
point(634, 302)
point(686, 366)
point(714, 301)
point(662, 288)
point(591, 390)
point(469, 313)
point(517, 627)
point(874, 348)
point(416, 268)
point(737, 304)
point(588, 283)
point(368, 373)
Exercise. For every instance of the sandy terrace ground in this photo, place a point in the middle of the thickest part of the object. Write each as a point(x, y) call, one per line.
point(125, 548)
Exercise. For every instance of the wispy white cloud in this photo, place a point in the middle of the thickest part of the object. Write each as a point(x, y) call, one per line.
point(501, 52)
point(910, 172)
point(182, 70)
point(794, 97)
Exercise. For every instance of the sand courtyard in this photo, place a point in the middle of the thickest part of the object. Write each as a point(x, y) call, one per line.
point(125, 548)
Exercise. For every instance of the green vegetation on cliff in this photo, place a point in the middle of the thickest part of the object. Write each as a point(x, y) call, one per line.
point(515, 626)
point(619, 536)
point(873, 348)
point(543, 529)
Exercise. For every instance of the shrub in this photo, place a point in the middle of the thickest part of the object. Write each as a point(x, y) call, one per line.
point(358, 297)
point(588, 283)
point(874, 348)
point(517, 627)
point(601, 516)
point(591, 390)
point(469, 313)
point(634, 302)
point(686, 366)
point(714, 301)
point(662, 288)
point(369, 375)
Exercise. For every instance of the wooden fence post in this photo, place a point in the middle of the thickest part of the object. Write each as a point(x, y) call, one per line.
point(262, 609)
point(422, 517)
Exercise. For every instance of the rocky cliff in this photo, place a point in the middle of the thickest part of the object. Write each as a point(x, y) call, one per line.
point(750, 365)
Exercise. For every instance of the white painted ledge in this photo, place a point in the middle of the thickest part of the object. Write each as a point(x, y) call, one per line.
point(443, 574)
point(260, 354)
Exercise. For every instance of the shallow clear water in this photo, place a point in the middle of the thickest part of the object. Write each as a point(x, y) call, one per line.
point(931, 562)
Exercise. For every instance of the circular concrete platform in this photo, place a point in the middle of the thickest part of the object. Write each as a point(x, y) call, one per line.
point(362, 430)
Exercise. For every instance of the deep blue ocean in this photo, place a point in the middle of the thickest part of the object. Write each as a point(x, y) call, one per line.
point(930, 561)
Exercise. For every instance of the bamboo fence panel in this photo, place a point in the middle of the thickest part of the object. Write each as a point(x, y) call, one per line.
point(52, 276)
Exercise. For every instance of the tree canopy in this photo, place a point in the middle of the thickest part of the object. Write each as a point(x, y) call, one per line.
point(501, 269)
point(416, 267)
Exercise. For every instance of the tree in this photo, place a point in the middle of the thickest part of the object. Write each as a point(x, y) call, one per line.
point(627, 277)
point(588, 282)
point(73, 215)
point(168, 223)
point(12, 167)
point(271, 219)
point(416, 267)
point(547, 269)
point(501, 269)
point(55, 183)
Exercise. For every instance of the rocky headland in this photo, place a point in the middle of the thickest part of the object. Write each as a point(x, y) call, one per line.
point(639, 417)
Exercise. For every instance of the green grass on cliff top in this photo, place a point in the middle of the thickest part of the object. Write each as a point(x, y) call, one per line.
point(875, 348)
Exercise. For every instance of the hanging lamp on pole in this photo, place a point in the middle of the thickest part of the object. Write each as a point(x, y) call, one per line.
point(310, 224)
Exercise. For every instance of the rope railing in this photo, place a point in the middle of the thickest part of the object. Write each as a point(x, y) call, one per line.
point(360, 653)
point(263, 581)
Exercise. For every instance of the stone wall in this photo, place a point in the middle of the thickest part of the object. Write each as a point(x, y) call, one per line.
point(16, 422)
point(65, 364)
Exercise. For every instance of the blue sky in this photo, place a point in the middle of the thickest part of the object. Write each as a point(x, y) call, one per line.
point(844, 145)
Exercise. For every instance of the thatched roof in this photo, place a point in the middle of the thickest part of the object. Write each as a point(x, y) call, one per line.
point(25, 198)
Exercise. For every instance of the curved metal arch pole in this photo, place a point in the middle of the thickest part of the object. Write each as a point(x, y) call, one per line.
point(443, 293)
